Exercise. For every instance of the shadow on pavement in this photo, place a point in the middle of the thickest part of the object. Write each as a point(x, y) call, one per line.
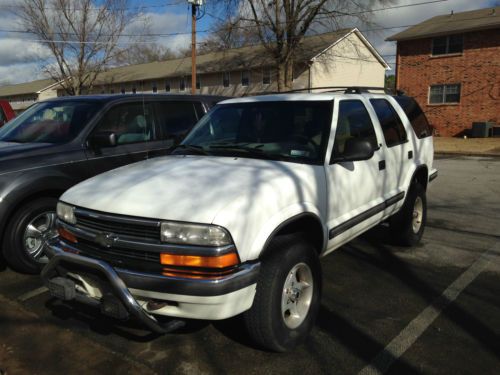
point(388, 262)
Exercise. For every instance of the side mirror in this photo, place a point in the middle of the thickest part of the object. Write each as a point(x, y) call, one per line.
point(357, 149)
point(103, 139)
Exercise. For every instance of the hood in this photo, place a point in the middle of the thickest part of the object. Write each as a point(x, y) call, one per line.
point(184, 187)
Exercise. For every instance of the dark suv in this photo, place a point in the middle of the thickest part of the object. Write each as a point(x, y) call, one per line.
point(57, 143)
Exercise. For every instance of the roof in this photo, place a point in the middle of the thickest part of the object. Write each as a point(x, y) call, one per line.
point(481, 19)
point(25, 88)
point(112, 97)
point(229, 60)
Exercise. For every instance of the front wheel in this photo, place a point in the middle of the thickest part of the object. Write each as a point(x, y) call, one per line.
point(29, 229)
point(288, 295)
point(409, 223)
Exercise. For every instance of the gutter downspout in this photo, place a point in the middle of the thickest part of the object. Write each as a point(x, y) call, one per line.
point(309, 64)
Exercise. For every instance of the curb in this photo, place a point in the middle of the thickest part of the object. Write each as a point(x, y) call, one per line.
point(464, 153)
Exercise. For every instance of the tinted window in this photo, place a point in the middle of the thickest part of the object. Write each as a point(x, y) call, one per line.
point(50, 122)
point(354, 122)
point(394, 131)
point(447, 44)
point(131, 123)
point(176, 119)
point(3, 118)
point(290, 131)
point(414, 113)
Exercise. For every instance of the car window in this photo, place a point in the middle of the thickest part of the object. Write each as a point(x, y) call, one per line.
point(50, 122)
point(131, 122)
point(392, 126)
point(176, 118)
point(414, 113)
point(354, 122)
point(3, 118)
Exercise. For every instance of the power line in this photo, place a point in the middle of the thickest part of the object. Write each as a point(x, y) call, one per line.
point(234, 27)
point(14, 6)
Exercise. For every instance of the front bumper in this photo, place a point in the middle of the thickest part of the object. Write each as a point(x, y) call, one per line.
point(187, 298)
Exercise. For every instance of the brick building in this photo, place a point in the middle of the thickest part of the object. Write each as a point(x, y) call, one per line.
point(451, 65)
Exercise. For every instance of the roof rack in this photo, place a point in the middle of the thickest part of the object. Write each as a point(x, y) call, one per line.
point(345, 89)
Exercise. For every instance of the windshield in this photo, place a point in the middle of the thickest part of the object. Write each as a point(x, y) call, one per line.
point(294, 131)
point(51, 122)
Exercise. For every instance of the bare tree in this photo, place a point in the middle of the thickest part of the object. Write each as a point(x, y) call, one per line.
point(82, 35)
point(140, 53)
point(280, 25)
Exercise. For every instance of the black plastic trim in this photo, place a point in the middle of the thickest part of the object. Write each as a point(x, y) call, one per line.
point(339, 229)
point(433, 176)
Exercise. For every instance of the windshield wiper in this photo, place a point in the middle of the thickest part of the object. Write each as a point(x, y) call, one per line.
point(194, 148)
point(236, 147)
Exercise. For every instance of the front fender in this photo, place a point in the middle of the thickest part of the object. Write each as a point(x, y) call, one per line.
point(251, 235)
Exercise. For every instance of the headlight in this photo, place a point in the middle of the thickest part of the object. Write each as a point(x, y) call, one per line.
point(194, 234)
point(66, 213)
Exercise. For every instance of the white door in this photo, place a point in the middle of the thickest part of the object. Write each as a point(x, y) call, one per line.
point(355, 188)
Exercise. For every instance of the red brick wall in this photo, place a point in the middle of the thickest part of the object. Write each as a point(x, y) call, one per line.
point(477, 69)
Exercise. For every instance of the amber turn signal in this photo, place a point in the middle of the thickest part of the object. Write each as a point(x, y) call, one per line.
point(67, 235)
point(221, 261)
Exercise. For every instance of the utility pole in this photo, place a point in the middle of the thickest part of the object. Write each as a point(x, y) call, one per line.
point(194, 8)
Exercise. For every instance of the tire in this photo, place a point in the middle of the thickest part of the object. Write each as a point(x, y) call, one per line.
point(405, 226)
point(270, 321)
point(22, 248)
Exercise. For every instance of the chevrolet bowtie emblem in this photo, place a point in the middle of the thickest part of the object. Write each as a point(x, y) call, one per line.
point(105, 239)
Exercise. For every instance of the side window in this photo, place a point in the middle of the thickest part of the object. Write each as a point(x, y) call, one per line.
point(414, 113)
point(393, 128)
point(354, 122)
point(132, 123)
point(3, 118)
point(176, 118)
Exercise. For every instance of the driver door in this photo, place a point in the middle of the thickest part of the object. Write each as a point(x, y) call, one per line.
point(134, 126)
point(355, 188)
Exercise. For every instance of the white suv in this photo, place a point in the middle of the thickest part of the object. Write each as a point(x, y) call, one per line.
point(236, 219)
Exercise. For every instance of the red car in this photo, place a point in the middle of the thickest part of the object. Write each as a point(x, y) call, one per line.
point(6, 112)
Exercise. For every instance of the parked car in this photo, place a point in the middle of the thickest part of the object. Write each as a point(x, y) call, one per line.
point(236, 219)
point(6, 112)
point(57, 143)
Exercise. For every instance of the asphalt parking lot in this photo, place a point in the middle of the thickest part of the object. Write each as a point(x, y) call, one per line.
point(433, 309)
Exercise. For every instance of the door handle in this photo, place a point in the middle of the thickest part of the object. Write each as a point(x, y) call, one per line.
point(410, 154)
point(381, 165)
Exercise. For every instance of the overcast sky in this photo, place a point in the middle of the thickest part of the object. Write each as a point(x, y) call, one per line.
point(21, 58)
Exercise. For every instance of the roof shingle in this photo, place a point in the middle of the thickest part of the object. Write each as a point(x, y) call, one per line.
point(481, 19)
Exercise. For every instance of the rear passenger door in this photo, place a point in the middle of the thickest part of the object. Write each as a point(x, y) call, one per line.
point(398, 151)
point(135, 127)
point(355, 188)
point(175, 120)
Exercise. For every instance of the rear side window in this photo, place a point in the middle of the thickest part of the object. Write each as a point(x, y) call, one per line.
point(353, 122)
point(394, 131)
point(176, 118)
point(414, 113)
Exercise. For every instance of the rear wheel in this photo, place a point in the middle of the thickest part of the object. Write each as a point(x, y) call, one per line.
point(29, 229)
point(409, 223)
point(288, 295)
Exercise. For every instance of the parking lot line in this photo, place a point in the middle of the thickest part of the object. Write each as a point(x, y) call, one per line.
point(407, 337)
point(31, 294)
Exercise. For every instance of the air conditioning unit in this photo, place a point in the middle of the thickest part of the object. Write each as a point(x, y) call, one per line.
point(482, 129)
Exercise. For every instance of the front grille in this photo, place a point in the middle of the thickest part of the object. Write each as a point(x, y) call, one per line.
point(133, 229)
point(141, 231)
